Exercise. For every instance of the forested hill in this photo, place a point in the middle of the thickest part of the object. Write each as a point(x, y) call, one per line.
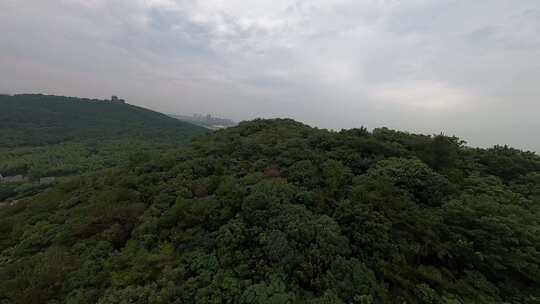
point(43, 138)
point(32, 120)
point(273, 211)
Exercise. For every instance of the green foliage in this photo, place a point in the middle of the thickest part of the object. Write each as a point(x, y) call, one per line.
point(273, 211)
point(35, 120)
point(52, 136)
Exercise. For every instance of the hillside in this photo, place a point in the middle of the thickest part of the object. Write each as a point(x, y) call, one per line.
point(274, 211)
point(33, 120)
point(52, 136)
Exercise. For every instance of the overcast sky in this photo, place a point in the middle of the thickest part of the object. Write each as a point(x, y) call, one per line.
point(469, 68)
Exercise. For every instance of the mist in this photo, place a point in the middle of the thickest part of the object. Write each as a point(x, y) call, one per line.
point(465, 68)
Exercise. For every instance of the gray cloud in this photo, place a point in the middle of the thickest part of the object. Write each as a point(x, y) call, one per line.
point(461, 67)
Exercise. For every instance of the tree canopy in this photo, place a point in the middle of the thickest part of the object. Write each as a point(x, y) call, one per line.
point(43, 136)
point(35, 120)
point(274, 211)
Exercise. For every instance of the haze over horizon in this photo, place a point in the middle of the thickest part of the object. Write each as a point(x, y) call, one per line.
point(463, 68)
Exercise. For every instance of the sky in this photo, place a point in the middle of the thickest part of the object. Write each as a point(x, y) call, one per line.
point(465, 68)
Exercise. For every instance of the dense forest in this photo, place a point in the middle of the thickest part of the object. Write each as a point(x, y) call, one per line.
point(274, 211)
point(43, 136)
point(34, 120)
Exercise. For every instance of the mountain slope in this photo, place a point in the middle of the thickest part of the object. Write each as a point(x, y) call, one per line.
point(32, 120)
point(273, 211)
point(47, 137)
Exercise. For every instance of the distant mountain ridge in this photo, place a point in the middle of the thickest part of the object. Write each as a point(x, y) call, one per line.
point(34, 119)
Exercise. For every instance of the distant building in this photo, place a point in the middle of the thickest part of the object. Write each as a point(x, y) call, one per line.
point(208, 121)
point(115, 98)
point(14, 179)
point(47, 180)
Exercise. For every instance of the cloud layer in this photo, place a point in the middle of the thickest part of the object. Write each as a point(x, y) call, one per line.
point(461, 67)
